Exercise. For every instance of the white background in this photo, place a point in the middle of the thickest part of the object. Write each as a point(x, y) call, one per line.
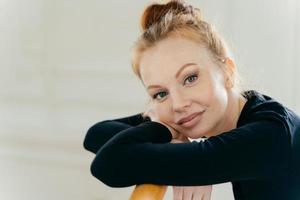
point(65, 65)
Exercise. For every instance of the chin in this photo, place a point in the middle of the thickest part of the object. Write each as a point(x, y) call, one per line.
point(197, 132)
point(194, 135)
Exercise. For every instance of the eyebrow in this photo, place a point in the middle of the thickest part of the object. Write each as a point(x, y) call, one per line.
point(176, 75)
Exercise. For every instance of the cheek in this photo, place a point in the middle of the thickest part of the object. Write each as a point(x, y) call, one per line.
point(211, 94)
point(163, 112)
point(219, 98)
point(204, 93)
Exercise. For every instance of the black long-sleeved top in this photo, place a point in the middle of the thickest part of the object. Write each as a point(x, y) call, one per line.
point(261, 157)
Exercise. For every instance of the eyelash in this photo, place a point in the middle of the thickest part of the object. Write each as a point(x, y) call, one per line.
point(192, 75)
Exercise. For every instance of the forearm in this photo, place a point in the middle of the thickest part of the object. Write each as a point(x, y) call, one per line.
point(143, 154)
point(101, 132)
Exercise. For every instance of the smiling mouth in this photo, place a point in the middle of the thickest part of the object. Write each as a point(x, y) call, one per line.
point(190, 120)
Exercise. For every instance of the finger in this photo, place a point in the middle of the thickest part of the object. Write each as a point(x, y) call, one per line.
point(197, 196)
point(174, 141)
point(207, 196)
point(177, 193)
point(183, 138)
point(187, 194)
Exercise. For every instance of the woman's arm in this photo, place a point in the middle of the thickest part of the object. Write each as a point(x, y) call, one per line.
point(143, 154)
point(103, 131)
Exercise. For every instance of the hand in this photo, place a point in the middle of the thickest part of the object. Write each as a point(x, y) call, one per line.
point(150, 112)
point(180, 139)
point(192, 192)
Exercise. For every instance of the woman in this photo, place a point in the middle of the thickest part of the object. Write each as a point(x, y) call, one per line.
point(251, 140)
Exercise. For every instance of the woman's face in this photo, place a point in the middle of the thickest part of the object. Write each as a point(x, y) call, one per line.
point(187, 88)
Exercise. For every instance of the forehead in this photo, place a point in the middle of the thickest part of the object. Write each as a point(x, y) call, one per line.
point(167, 56)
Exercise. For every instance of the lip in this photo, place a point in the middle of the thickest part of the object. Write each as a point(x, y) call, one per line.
point(190, 120)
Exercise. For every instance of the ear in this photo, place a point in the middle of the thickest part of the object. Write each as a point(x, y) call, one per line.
point(230, 72)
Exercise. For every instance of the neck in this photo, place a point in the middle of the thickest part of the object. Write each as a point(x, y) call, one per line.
point(236, 103)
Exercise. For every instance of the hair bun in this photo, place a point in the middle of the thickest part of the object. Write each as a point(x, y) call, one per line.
point(155, 12)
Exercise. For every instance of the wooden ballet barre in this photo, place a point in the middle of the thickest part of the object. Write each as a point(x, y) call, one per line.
point(148, 192)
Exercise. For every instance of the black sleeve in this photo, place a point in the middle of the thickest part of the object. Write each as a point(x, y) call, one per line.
point(143, 154)
point(101, 132)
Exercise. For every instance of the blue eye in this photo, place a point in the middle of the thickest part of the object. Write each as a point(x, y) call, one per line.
point(191, 78)
point(160, 95)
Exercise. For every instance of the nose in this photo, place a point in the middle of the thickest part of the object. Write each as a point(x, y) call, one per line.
point(180, 102)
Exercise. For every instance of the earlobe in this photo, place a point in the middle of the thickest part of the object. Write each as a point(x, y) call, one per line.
point(230, 65)
point(229, 83)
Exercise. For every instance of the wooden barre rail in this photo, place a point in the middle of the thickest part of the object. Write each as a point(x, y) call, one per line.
point(148, 192)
